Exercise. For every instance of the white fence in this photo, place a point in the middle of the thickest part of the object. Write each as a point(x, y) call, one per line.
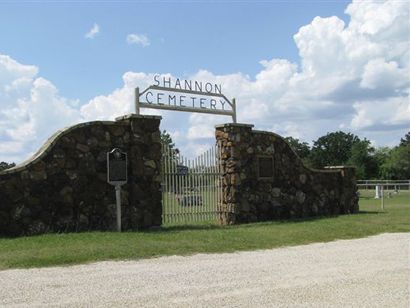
point(395, 185)
point(382, 187)
point(191, 188)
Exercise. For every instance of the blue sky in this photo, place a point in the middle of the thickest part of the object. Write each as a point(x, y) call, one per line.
point(297, 68)
point(185, 36)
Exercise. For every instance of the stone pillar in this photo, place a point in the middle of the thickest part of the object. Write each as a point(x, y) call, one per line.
point(349, 196)
point(234, 143)
point(144, 184)
point(349, 200)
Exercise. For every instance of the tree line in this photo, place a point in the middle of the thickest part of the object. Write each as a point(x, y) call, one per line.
point(340, 148)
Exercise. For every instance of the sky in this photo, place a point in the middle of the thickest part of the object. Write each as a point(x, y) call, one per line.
point(296, 68)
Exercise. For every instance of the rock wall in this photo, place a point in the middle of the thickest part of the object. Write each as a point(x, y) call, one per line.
point(292, 191)
point(64, 186)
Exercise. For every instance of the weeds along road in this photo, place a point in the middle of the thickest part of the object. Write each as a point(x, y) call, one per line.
point(364, 272)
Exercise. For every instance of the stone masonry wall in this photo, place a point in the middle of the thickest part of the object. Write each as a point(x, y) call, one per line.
point(294, 191)
point(64, 186)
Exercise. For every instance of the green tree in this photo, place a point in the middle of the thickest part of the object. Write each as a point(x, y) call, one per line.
point(340, 148)
point(405, 140)
point(166, 139)
point(361, 157)
point(397, 165)
point(168, 147)
point(168, 143)
point(332, 149)
point(380, 156)
point(4, 165)
point(302, 149)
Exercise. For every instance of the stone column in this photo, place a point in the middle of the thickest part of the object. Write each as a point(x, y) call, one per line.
point(349, 200)
point(234, 143)
point(144, 183)
point(349, 195)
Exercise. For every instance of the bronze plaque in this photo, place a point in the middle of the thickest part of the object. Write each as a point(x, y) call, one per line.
point(265, 165)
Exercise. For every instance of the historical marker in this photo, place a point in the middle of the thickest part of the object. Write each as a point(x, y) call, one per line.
point(265, 167)
point(117, 167)
point(117, 176)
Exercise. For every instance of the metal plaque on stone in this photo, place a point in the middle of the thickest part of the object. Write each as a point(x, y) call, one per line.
point(117, 167)
point(265, 167)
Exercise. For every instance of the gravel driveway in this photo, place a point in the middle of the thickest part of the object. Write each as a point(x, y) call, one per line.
point(365, 272)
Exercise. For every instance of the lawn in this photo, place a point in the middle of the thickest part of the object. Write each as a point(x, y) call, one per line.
point(75, 248)
point(196, 206)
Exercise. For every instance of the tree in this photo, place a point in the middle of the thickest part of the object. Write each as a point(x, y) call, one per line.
point(333, 149)
point(397, 165)
point(168, 147)
point(405, 140)
point(380, 156)
point(341, 148)
point(167, 142)
point(361, 158)
point(302, 149)
point(4, 165)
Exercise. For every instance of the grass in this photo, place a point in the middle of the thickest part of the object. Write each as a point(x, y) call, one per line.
point(75, 248)
point(204, 208)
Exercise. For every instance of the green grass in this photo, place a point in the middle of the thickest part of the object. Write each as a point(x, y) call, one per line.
point(75, 248)
point(174, 213)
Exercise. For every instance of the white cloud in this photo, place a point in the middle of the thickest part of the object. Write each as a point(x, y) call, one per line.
point(12, 73)
point(352, 76)
point(381, 74)
point(93, 31)
point(382, 115)
point(138, 39)
point(31, 110)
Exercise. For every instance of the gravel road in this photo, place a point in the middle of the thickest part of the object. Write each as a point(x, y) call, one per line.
point(366, 272)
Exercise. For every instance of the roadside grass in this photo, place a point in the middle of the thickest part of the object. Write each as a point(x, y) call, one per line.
point(77, 248)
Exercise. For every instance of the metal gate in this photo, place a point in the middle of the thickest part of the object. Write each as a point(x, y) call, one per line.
point(191, 188)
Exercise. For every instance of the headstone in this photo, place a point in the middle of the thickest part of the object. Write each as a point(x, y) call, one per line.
point(182, 170)
point(191, 200)
point(378, 192)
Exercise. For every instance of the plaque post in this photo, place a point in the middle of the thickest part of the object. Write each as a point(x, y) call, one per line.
point(118, 201)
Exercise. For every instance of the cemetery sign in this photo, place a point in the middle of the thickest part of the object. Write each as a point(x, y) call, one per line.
point(185, 95)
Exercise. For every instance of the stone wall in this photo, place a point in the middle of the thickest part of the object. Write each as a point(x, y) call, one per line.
point(293, 191)
point(64, 186)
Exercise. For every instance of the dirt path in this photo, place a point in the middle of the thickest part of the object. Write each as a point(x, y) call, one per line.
point(365, 272)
